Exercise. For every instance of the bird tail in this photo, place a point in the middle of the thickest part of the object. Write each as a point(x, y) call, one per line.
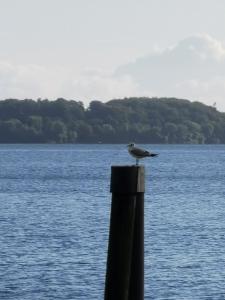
point(154, 154)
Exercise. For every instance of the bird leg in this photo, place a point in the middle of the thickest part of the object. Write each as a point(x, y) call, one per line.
point(136, 161)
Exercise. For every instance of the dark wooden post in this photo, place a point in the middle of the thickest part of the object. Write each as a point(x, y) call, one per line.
point(125, 263)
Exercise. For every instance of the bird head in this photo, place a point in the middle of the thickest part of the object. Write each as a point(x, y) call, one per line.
point(130, 145)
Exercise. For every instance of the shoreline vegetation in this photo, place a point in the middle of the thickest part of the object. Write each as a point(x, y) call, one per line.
point(143, 120)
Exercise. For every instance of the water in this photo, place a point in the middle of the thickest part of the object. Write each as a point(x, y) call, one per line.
point(54, 219)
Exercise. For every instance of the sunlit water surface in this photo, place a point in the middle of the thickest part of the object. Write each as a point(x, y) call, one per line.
point(54, 221)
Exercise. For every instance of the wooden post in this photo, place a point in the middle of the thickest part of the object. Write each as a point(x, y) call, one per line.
point(125, 263)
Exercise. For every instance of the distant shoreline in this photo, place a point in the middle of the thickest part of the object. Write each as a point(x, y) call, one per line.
point(140, 120)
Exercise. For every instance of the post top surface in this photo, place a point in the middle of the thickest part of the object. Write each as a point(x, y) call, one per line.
point(128, 166)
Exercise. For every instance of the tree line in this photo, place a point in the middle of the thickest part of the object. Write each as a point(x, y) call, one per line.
point(141, 120)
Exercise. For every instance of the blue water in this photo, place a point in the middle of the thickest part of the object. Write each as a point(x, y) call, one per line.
point(54, 221)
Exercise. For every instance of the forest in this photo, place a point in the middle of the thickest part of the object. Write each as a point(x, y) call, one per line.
point(139, 120)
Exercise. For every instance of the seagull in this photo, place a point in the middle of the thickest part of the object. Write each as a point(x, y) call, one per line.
point(139, 153)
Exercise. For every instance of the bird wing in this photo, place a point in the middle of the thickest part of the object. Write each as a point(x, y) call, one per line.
point(139, 152)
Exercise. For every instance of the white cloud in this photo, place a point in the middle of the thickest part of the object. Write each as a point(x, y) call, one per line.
point(100, 85)
point(207, 91)
point(34, 81)
point(193, 69)
point(27, 81)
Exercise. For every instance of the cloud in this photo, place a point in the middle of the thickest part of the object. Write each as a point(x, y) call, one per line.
point(27, 81)
point(35, 81)
point(193, 69)
point(100, 85)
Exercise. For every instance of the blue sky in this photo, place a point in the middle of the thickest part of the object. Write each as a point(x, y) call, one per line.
point(99, 49)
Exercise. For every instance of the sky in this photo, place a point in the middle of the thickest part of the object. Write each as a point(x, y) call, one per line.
point(100, 50)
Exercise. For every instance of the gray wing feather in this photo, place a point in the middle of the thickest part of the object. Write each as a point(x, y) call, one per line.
point(139, 152)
